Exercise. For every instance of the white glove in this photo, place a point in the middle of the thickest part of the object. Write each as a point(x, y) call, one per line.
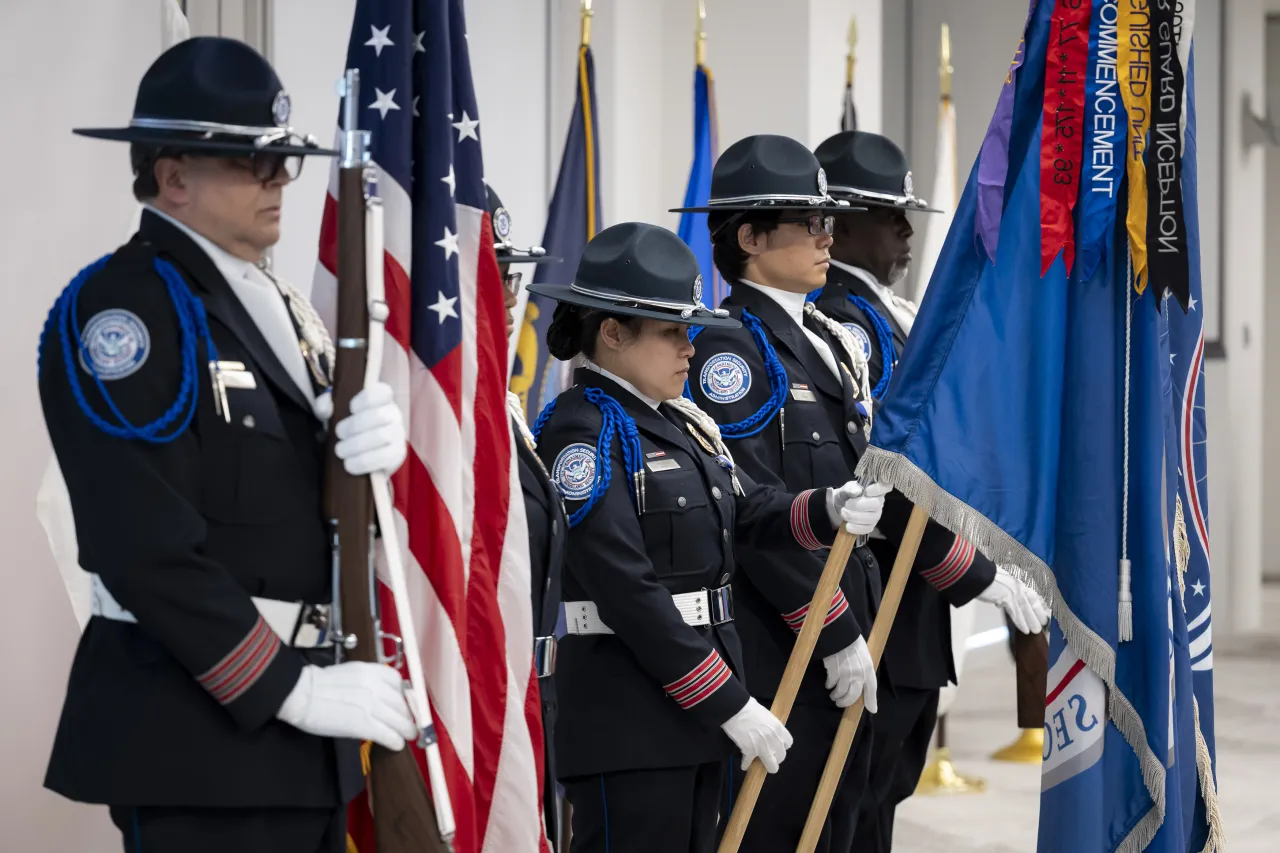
point(372, 438)
point(1020, 602)
point(364, 701)
point(858, 506)
point(759, 734)
point(850, 672)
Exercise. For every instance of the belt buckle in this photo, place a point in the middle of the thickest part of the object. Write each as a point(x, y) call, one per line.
point(861, 540)
point(312, 630)
point(720, 604)
point(544, 656)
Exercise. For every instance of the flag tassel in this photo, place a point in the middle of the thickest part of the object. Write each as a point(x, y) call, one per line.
point(1126, 603)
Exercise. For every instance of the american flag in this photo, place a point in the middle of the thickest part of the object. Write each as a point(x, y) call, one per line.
point(457, 497)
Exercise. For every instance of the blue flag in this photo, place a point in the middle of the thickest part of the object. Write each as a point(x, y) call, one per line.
point(693, 226)
point(573, 219)
point(1057, 423)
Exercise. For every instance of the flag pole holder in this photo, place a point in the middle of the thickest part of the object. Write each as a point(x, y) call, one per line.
point(940, 776)
point(1027, 749)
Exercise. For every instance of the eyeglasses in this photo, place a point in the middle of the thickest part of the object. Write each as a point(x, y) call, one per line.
point(266, 165)
point(512, 283)
point(818, 224)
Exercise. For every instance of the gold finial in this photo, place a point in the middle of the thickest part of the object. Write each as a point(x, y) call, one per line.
point(586, 23)
point(850, 58)
point(944, 64)
point(700, 35)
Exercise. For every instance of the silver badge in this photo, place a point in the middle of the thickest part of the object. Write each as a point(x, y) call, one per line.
point(502, 224)
point(822, 181)
point(280, 108)
point(907, 188)
point(697, 289)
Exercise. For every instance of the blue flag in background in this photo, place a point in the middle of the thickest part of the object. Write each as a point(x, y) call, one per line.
point(573, 219)
point(1035, 416)
point(693, 226)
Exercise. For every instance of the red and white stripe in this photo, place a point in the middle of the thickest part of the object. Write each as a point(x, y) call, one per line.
point(468, 570)
point(240, 669)
point(800, 527)
point(953, 566)
point(839, 604)
point(700, 682)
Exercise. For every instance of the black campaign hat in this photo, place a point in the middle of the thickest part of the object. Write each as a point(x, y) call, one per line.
point(211, 94)
point(766, 171)
point(507, 252)
point(639, 270)
point(869, 169)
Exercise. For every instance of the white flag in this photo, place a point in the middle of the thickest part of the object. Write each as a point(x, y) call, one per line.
point(943, 197)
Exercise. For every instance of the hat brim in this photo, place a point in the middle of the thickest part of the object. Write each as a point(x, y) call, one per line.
point(566, 293)
point(517, 257)
point(739, 208)
point(859, 204)
point(169, 139)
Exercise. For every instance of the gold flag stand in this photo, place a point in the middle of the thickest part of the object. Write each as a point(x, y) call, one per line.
point(1027, 749)
point(940, 775)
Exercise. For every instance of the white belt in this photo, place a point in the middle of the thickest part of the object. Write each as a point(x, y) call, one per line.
point(707, 607)
point(300, 625)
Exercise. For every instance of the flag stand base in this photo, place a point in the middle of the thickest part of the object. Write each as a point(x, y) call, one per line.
point(941, 777)
point(1027, 749)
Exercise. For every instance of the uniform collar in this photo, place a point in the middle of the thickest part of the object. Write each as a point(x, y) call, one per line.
point(792, 303)
point(885, 293)
point(231, 267)
point(647, 400)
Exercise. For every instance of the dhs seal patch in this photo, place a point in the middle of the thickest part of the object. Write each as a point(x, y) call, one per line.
point(860, 335)
point(574, 471)
point(116, 344)
point(725, 378)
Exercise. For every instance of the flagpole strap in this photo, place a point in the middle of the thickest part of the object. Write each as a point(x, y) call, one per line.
point(1125, 615)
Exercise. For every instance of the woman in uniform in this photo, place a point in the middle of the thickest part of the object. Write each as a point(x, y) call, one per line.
point(649, 676)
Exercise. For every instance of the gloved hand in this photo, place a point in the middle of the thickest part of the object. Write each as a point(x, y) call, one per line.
point(759, 734)
point(1021, 603)
point(858, 506)
point(850, 672)
point(364, 701)
point(372, 438)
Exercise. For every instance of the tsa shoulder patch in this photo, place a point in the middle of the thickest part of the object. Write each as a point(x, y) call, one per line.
point(725, 378)
point(115, 344)
point(574, 471)
point(860, 335)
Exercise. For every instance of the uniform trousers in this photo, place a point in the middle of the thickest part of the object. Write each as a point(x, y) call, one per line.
point(163, 829)
point(672, 810)
point(903, 732)
point(780, 813)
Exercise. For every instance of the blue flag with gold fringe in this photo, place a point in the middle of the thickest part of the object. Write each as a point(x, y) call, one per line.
point(1049, 407)
point(573, 219)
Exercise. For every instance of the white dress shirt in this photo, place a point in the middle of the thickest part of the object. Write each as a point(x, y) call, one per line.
point(903, 310)
point(793, 304)
point(648, 401)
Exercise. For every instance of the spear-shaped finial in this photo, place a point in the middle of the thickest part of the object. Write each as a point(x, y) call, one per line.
point(944, 64)
point(850, 57)
point(700, 35)
point(586, 23)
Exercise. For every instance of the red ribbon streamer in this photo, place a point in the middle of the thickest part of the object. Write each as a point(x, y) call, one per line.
point(1062, 130)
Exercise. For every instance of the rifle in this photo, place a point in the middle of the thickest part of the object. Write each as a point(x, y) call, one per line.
point(405, 818)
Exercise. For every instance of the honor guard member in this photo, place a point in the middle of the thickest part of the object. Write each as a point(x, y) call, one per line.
point(544, 512)
point(870, 255)
point(786, 394)
point(183, 389)
point(650, 671)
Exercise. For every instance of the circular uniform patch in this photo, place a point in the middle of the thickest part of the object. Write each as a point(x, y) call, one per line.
point(116, 344)
point(725, 378)
point(860, 335)
point(574, 472)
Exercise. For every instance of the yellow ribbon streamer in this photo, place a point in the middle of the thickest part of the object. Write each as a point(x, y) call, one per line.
point(1133, 31)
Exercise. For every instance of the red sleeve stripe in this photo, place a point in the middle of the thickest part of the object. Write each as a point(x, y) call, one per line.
point(839, 604)
point(702, 689)
point(953, 566)
point(800, 527)
point(228, 679)
point(692, 688)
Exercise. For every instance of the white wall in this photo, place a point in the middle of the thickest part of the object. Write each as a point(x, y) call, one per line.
point(66, 202)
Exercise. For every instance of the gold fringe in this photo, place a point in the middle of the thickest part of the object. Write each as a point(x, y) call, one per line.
point(1216, 841)
point(364, 756)
point(1181, 548)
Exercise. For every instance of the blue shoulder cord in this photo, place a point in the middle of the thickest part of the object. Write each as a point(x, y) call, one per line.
point(777, 381)
point(194, 326)
point(884, 336)
point(615, 418)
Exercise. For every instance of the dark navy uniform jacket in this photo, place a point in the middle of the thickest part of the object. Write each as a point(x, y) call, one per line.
point(947, 570)
point(814, 440)
point(179, 708)
point(655, 693)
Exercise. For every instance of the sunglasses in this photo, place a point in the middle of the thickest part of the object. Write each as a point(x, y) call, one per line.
point(267, 165)
point(817, 223)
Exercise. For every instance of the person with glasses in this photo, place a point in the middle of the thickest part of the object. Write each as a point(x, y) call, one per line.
point(544, 513)
point(789, 398)
point(185, 394)
point(870, 254)
point(652, 703)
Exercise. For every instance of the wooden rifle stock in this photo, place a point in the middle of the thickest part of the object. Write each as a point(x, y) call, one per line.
point(403, 815)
